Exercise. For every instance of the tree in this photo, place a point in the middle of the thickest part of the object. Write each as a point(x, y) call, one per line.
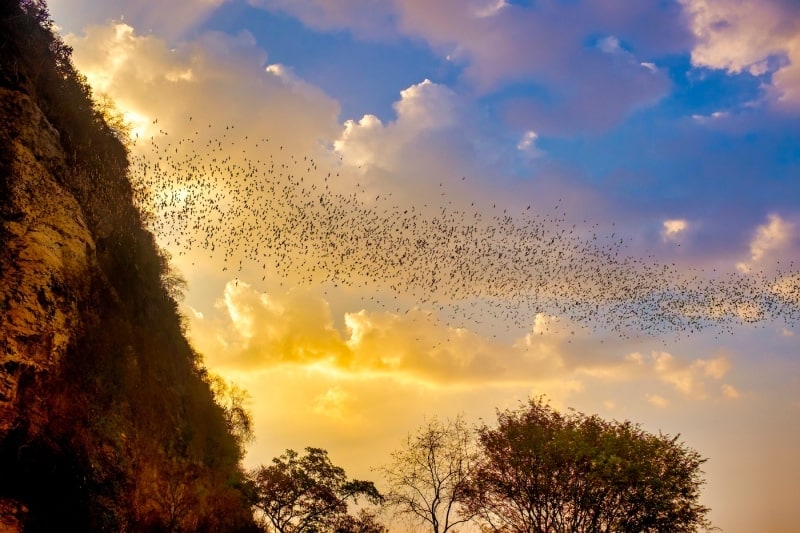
point(306, 494)
point(543, 471)
point(429, 477)
point(233, 400)
point(365, 522)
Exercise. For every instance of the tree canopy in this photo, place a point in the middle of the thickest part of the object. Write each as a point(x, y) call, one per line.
point(544, 471)
point(309, 494)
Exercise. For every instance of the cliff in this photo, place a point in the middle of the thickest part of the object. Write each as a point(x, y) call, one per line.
point(108, 421)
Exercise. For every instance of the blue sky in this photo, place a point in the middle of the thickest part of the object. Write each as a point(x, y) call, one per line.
point(335, 61)
point(668, 126)
point(681, 162)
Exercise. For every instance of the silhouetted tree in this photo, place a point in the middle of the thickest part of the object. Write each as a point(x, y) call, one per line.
point(306, 494)
point(429, 477)
point(542, 470)
point(365, 522)
point(233, 400)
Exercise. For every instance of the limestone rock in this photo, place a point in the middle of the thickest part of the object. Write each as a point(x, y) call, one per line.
point(46, 258)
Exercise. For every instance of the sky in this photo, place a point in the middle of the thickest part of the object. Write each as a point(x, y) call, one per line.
point(388, 211)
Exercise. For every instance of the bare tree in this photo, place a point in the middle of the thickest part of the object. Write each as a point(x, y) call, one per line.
point(429, 477)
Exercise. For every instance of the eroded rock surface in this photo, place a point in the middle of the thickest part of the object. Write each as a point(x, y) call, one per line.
point(46, 259)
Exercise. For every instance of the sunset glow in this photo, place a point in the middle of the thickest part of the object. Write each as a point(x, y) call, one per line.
point(420, 209)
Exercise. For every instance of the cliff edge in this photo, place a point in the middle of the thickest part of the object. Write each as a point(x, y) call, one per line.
point(108, 419)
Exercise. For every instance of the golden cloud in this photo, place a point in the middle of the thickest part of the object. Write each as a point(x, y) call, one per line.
point(261, 330)
point(253, 331)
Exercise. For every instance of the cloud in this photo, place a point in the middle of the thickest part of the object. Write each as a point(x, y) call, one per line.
point(760, 37)
point(294, 327)
point(497, 43)
point(423, 108)
point(689, 378)
point(150, 16)
point(658, 401)
point(214, 80)
point(259, 330)
point(334, 403)
point(489, 9)
point(527, 145)
point(673, 229)
point(769, 238)
point(296, 85)
point(253, 332)
point(710, 119)
point(730, 392)
point(371, 19)
point(439, 146)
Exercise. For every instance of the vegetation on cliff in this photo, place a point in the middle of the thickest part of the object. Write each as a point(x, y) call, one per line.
point(124, 430)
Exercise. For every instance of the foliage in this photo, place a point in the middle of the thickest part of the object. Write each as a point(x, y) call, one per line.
point(233, 401)
point(429, 477)
point(129, 433)
point(308, 494)
point(546, 471)
point(104, 105)
point(365, 522)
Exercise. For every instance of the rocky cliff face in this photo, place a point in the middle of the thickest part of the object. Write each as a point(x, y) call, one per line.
point(46, 260)
point(107, 418)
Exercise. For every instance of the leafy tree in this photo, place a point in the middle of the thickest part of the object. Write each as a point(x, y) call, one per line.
point(429, 477)
point(307, 494)
point(365, 522)
point(233, 400)
point(543, 471)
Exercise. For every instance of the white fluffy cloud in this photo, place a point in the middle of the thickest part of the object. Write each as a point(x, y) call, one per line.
point(422, 108)
point(770, 238)
point(755, 36)
point(438, 147)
